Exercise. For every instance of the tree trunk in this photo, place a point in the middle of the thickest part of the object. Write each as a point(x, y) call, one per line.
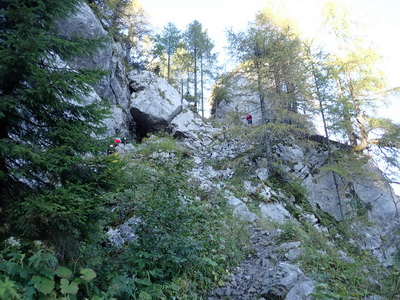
point(195, 80)
point(201, 86)
point(363, 144)
point(328, 143)
point(348, 124)
point(168, 67)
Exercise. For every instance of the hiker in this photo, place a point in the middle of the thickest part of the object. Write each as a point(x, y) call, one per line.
point(116, 141)
point(249, 119)
point(111, 150)
point(124, 141)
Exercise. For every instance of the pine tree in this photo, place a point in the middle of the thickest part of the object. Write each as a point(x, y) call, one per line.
point(50, 179)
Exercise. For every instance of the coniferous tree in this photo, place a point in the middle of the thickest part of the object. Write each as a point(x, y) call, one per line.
point(358, 82)
point(193, 39)
point(207, 64)
point(271, 59)
point(168, 42)
point(127, 22)
point(50, 182)
point(181, 70)
point(199, 46)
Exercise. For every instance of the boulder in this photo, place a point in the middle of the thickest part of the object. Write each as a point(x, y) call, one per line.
point(283, 278)
point(301, 291)
point(241, 210)
point(154, 102)
point(275, 212)
point(262, 173)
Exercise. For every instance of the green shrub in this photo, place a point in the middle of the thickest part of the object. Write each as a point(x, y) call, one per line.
point(290, 232)
point(37, 274)
point(182, 240)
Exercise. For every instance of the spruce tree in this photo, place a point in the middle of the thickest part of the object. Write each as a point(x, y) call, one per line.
point(50, 179)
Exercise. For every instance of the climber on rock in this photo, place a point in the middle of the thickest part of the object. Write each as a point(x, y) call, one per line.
point(249, 119)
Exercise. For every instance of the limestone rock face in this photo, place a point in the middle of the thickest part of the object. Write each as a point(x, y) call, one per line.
point(275, 212)
point(153, 103)
point(142, 102)
point(368, 195)
point(242, 99)
point(109, 57)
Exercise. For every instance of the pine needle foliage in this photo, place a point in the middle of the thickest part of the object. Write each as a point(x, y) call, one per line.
point(50, 182)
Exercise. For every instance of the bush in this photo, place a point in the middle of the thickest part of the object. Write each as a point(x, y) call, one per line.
point(36, 274)
point(181, 240)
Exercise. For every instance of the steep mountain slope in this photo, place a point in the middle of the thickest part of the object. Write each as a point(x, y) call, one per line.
point(306, 235)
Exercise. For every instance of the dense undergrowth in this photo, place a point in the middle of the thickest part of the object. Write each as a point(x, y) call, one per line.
point(184, 240)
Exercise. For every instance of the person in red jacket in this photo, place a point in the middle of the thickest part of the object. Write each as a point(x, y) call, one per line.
point(249, 119)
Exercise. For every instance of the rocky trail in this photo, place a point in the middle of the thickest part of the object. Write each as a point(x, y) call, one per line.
point(267, 273)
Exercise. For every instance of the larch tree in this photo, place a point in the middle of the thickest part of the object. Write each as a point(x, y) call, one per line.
point(127, 22)
point(321, 89)
point(168, 43)
point(182, 69)
point(51, 179)
point(359, 84)
point(193, 41)
point(271, 57)
point(357, 88)
point(135, 32)
point(271, 54)
point(199, 47)
point(207, 64)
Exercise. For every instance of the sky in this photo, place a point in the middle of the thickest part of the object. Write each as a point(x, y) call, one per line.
point(381, 19)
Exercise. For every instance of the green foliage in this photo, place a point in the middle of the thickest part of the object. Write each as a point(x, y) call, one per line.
point(333, 263)
point(180, 241)
point(347, 165)
point(290, 232)
point(271, 57)
point(219, 93)
point(51, 179)
point(36, 274)
point(168, 43)
point(158, 144)
point(357, 83)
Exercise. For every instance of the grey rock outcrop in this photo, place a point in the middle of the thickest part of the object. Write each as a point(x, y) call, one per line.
point(153, 102)
point(284, 277)
point(275, 212)
point(301, 291)
point(365, 194)
point(242, 98)
point(241, 210)
point(142, 101)
point(263, 275)
point(109, 57)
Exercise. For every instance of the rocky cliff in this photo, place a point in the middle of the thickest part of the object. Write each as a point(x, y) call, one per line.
point(144, 103)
